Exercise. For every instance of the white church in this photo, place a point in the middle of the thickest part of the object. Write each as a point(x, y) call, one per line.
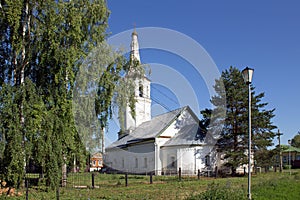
point(162, 144)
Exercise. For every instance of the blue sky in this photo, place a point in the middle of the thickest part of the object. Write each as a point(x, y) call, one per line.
point(264, 35)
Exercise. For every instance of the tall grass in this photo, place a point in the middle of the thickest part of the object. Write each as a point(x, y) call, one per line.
point(217, 191)
point(283, 186)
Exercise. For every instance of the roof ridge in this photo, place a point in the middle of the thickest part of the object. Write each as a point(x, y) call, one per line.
point(177, 109)
point(170, 117)
point(173, 119)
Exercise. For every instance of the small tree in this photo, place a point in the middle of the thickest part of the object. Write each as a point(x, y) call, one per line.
point(296, 140)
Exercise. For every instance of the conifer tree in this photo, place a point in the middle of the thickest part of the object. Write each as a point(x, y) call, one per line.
point(234, 135)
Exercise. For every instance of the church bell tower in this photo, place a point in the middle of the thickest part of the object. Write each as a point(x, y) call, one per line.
point(142, 93)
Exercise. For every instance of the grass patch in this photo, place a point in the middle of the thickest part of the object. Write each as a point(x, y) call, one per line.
point(217, 191)
point(112, 186)
point(284, 186)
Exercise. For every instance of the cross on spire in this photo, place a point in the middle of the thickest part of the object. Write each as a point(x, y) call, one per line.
point(134, 28)
point(135, 46)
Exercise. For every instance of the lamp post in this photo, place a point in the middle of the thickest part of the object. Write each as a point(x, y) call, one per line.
point(247, 75)
point(290, 164)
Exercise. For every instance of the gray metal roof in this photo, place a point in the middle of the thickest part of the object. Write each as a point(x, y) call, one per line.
point(149, 129)
point(187, 136)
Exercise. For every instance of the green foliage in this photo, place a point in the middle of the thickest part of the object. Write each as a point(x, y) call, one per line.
point(13, 156)
point(135, 71)
point(109, 85)
point(43, 44)
point(265, 157)
point(101, 89)
point(234, 135)
point(279, 187)
point(296, 140)
point(287, 167)
point(216, 191)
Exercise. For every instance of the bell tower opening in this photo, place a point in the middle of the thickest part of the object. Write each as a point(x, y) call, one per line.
point(141, 91)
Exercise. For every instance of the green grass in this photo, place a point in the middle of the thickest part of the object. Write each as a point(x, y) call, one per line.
point(112, 186)
point(282, 187)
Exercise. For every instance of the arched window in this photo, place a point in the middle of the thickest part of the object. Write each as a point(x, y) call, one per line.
point(207, 160)
point(136, 163)
point(145, 163)
point(141, 91)
point(173, 163)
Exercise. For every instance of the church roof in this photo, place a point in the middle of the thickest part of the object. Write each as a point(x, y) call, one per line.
point(150, 129)
point(188, 135)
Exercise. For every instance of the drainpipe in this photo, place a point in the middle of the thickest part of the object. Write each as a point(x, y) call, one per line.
point(155, 159)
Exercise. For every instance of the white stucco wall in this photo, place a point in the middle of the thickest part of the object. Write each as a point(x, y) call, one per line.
point(189, 158)
point(161, 140)
point(164, 155)
point(142, 106)
point(134, 159)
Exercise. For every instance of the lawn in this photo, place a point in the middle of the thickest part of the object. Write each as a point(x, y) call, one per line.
point(112, 186)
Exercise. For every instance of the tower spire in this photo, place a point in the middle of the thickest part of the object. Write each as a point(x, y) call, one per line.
point(141, 92)
point(135, 52)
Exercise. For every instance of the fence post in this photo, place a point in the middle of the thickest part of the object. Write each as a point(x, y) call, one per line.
point(216, 172)
point(26, 183)
point(126, 179)
point(93, 180)
point(151, 180)
point(57, 193)
point(198, 174)
point(179, 173)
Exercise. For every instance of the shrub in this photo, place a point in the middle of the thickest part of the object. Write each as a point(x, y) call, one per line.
point(297, 176)
point(216, 191)
point(287, 166)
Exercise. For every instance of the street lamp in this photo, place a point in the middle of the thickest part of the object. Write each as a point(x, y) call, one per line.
point(290, 164)
point(247, 75)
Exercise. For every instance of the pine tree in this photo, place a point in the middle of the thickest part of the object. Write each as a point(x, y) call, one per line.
point(234, 133)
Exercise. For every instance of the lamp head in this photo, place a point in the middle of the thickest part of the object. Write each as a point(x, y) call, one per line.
point(247, 75)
